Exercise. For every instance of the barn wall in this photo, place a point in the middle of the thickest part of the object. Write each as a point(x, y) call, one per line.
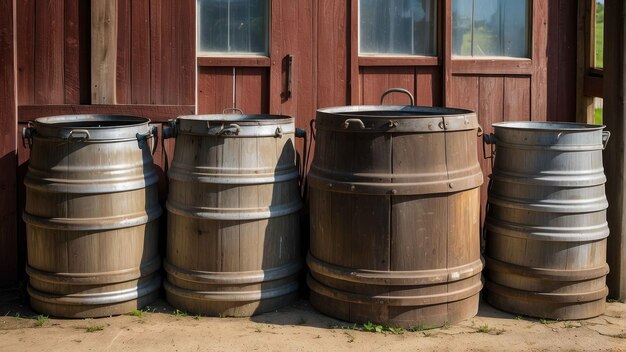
point(46, 61)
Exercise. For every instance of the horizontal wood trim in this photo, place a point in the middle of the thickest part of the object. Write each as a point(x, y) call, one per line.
point(593, 86)
point(492, 66)
point(209, 61)
point(598, 72)
point(155, 113)
point(398, 61)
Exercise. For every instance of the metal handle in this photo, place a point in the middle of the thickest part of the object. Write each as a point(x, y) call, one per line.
point(605, 138)
point(153, 134)
point(27, 136)
point(300, 132)
point(169, 130)
point(233, 109)
point(79, 134)
point(397, 90)
point(347, 123)
point(289, 74)
point(489, 138)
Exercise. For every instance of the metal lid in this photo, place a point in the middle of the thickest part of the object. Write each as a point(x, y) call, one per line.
point(91, 127)
point(395, 119)
point(233, 125)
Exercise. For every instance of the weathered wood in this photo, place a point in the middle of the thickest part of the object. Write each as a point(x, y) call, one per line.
point(103, 51)
point(233, 233)
point(49, 52)
point(395, 215)
point(92, 231)
point(614, 114)
point(8, 144)
point(584, 52)
point(546, 224)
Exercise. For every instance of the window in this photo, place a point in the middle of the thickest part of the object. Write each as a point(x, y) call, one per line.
point(233, 27)
point(491, 28)
point(599, 34)
point(398, 27)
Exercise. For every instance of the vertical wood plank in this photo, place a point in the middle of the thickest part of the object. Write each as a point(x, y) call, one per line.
point(140, 54)
point(49, 44)
point(614, 163)
point(186, 41)
point(516, 98)
point(8, 144)
point(156, 53)
point(215, 89)
point(72, 52)
point(123, 73)
point(539, 108)
point(332, 54)
point(428, 86)
point(103, 51)
point(252, 94)
point(26, 51)
point(376, 80)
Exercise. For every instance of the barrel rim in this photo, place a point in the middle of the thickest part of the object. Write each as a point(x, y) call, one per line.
point(409, 111)
point(126, 120)
point(548, 126)
point(243, 119)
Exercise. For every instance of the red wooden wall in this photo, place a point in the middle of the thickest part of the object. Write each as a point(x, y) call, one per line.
point(45, 70)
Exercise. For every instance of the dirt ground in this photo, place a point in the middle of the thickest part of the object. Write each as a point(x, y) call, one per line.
point(298, 327)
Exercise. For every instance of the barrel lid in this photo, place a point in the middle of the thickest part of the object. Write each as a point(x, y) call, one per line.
point(91, 127)
point(548, 126)
point(395, 119)
point(235, 125)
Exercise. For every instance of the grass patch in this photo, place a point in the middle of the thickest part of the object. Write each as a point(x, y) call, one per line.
point(40, 320)
point(370, 327)
point(94, 328)
point(484, 329)
point(136, 313)
point(180, 313)
point(547, 321)
point(197, 317)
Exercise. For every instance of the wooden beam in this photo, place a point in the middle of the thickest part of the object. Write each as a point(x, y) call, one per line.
point(614, 157)
point(8, 145)
point(584, 103)
point(103, 51)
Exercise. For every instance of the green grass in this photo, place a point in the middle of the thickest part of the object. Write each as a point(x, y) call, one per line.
point(180, 313)
point(40, 320)
point(599, 35)
point(136, 313)
point(598, 116)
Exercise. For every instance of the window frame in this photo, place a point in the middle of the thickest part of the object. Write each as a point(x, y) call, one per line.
point(369, 59)
point(211, 58)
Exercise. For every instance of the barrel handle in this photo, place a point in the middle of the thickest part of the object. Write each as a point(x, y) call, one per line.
point(169, 130)
point(347, 123)
point(27, 136)
point(85, 134)
point(233, 109)
point(397, 90)
point(231, 130)
point(489, 138)
point(152, 134)
point(605, 138)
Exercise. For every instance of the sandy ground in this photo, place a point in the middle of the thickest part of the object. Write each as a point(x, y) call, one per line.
point(299, 327)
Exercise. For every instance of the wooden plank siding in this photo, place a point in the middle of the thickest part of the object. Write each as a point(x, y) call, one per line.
point(157, 66)
point(8, 145)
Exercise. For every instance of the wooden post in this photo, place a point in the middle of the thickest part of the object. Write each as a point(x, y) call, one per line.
point(103, 51)
point(8, 145)
point(614, 157)
point(585, 29)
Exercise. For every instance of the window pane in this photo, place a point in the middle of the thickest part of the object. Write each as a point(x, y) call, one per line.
point(599, 30)
point(401, 27)
point(490, 28)
point(233, 26)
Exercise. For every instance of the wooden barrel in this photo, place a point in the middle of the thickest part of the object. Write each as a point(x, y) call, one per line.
point(546, 223)
point(233, 231)
point(394, 204)
point(91, 215)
